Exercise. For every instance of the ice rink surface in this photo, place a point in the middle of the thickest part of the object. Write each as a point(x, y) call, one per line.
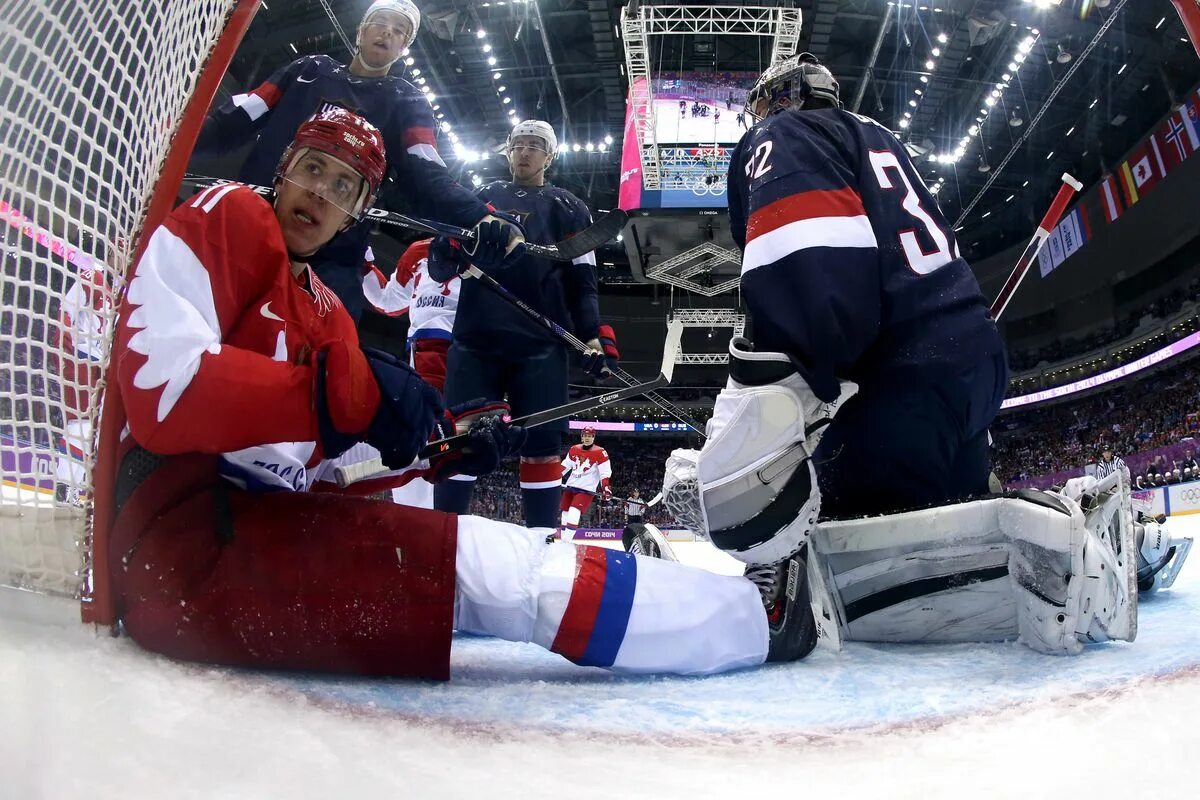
point(86, 715)
point(672, 127)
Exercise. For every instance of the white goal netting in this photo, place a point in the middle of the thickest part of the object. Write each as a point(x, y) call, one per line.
point(92, 94)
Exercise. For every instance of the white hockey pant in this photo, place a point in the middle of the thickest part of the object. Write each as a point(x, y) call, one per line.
point(601, 607)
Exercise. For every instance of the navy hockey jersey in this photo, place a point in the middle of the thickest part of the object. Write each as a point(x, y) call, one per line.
point(566, 293)
point(848, 265)
point(274, 110)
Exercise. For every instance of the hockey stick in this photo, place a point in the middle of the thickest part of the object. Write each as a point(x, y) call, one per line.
point(569, 338)
point(352, 473)
point(585, 241)
point(601, 495)
point(1065, 193)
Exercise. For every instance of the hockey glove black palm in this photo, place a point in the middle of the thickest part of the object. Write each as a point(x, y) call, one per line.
point(499, 242)
point(491, 439)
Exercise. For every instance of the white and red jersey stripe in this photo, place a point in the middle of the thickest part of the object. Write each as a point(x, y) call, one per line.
point(809, 219)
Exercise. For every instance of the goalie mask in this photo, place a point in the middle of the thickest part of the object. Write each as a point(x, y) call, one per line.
point(801, 80)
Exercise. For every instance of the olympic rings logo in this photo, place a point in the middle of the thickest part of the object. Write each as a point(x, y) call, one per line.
point(1190, 495)
point(700, 187)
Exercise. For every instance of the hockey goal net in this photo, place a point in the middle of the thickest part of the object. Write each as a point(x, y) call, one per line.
point(100, 105)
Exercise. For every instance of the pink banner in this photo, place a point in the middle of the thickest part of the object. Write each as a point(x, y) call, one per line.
point(43, 237)
point(629, 196)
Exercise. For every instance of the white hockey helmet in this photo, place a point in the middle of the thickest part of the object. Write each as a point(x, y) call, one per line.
point(538, 128)
point(405, 8)
point(797, 79)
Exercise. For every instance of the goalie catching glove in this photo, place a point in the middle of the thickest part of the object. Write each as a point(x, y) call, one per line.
point(752, 490)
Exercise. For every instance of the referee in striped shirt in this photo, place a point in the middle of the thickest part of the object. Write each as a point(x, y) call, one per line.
point(1109, 464)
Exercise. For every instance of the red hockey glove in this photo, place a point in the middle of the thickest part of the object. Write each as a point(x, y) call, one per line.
point(605, 356)
point(492, 439)
point(605, 488)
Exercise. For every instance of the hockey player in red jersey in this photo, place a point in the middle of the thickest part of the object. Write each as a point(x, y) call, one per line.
point(241, 376)
point(586, 474)
point(431, 306)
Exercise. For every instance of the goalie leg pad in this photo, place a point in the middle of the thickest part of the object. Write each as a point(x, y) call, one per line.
point(1032, 566)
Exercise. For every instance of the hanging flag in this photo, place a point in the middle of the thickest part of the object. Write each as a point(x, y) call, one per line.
point(1139, 173)
point(1113, 206)
point(1045, 262)
point(1189, 113)
point(1180, 139)
point(1071, 232)
point(1055, 245)
point(1158, 164)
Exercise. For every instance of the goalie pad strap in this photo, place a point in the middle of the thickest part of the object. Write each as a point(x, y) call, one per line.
point(749, 368)
point(778, 514)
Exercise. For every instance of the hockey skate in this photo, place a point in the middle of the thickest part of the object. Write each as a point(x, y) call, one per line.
point(784, 588)
point(646, 540)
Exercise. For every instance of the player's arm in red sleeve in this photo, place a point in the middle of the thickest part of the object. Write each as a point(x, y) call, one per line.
point(604, 467)
point(185, 389)
point(393, 296)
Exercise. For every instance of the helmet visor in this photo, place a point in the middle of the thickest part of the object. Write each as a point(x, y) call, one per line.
point(329, 179)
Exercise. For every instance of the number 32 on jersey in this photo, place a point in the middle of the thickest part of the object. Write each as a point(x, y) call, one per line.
point(886, 165)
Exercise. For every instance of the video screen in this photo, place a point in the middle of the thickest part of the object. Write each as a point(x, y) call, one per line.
point(700, 107)
point(698, 118)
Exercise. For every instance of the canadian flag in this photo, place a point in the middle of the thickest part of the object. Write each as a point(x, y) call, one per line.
point(1142, 171)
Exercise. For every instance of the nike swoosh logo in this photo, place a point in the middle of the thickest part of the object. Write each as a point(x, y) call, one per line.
point(301, 80)
point(266, 311)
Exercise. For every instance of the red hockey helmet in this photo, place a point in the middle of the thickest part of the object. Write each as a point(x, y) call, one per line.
point(346, 136)
point(588, 430)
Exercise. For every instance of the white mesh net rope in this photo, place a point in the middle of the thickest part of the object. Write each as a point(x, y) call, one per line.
point(91, 95)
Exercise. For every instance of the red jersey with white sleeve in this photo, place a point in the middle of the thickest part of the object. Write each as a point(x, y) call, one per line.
point(589, 467)
point(216, 346)
point(431, 304)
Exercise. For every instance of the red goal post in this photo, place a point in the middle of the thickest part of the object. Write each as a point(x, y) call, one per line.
point(101, 102)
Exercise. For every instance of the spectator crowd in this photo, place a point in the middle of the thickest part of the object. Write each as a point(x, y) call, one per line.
point(1071, 347)
point(1133, 417)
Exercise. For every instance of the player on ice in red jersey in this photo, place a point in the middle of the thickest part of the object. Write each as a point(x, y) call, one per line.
point(586, 474)
point(240, 375)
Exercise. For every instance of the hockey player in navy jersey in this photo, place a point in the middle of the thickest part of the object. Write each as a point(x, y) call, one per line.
point(851, 274)
point(496, 351)
point(270, 114)
point(866, 388)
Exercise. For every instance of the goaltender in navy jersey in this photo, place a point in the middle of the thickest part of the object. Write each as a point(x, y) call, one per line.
point(849, 266)
point(274, 110)
point(566, 293)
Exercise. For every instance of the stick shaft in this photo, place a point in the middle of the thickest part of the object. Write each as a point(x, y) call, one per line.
point(1065, 193)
